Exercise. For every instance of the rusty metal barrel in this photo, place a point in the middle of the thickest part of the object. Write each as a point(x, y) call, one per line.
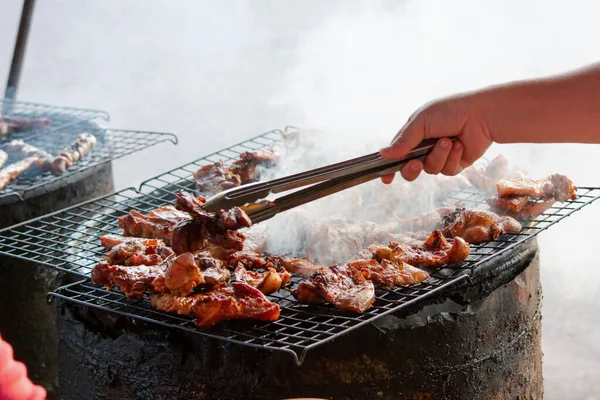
point(478, 341)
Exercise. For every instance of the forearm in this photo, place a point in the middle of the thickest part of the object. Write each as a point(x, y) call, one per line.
point(560, 109)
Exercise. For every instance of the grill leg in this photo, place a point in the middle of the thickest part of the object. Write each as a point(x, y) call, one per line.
point(19, 52)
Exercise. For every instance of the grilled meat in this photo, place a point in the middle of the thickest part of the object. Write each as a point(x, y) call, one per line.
point(10, 125)
point(214, 270)
point(340, 285)
point(477, 226)
point(189, 271)
point(246, 167)
point(435, 252)
point(529, 209)
point(214, 178)
point(180, 276)
point(388, 273)
point(24, 150)
point(71, 154)
point(135, 251)
point(558, 186)
point(208, 231)
point(485, 179)
point(241, 301)
point(158, 224)
point(297, 266)
point(133, 281)
point(248, 259)
point(11, 172)
point(267, 282)
point(3, 158)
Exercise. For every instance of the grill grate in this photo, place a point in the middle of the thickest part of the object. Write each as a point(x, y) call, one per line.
point(111, 144)
point(163, 186)
point(68, 240)
point(62, 117)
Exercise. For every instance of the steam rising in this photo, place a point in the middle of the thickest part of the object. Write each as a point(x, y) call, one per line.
point(365, 70)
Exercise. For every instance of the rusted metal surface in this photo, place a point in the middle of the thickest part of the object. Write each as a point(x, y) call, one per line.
point(27, 322)
point(485, 347)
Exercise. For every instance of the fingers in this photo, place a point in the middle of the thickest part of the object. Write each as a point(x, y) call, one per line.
point(407, 139)
point(411, 170)
point(436, 159)
point(387, 179)
point(453, 163)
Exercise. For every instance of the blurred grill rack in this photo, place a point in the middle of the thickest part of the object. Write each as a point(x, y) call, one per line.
point(61, 117)
point(68, 240)
point(111, 144)
point(164, 186)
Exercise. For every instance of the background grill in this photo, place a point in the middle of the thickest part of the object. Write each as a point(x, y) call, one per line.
point(69, 241)
point(62, 117)
point(111, 144)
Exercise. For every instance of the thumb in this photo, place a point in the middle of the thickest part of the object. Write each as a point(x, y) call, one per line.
point(407, 138)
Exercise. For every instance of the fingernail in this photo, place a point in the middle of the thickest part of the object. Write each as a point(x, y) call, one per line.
point(414, 166)
point(457, 146)
point(444, 144)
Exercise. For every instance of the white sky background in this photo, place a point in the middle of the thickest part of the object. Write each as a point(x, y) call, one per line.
point(216, 73)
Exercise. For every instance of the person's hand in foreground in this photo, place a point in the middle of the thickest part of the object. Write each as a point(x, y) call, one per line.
point(561, 109)
point(14, 383)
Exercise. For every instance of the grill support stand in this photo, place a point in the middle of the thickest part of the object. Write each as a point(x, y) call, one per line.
point(19, 52)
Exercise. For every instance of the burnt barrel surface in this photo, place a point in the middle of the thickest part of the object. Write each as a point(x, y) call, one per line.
point(27, 322)
point(481, 341)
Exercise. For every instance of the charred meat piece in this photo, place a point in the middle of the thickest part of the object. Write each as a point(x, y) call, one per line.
point(297, 266)
point(214, 178)
point(558, 186)
point(267, 282)
point(388, 273)
point(3, 158)
point(529, 210)
point(158, 224)
point(214, 270)
point(10, 125)
point(180, 277)
point(477, 226)
point(110, 241)
point(12, 172)
point(208, 231)
point(133, 281)
point(24, 150)
point(71, 154)
point(507, 204)
point(341, 286)
point(135, 251)
point(246, 167)
point(435, 252)
point(189, 271)
point(240, 301)
point(248, 259)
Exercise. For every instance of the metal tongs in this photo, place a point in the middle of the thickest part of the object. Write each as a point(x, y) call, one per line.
point(324, 180)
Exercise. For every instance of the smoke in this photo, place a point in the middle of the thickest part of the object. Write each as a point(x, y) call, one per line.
point(363, 71)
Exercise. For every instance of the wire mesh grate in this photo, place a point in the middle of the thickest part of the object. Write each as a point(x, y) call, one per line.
point(61, 117)
point(111, 144)
point(68, 240)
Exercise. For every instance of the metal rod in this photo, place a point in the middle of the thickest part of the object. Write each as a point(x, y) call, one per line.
point(19, 52)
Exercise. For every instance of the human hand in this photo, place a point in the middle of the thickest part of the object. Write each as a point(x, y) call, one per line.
point(457, 116)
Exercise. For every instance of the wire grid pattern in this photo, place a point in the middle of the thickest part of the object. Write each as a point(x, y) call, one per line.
point(111, 144)
point(61, 117)
point(165, 185)
point(69, 240)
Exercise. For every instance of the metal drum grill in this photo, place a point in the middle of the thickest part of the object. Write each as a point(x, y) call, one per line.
point(111, 144)
point(69, 241)
point(61, 117)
